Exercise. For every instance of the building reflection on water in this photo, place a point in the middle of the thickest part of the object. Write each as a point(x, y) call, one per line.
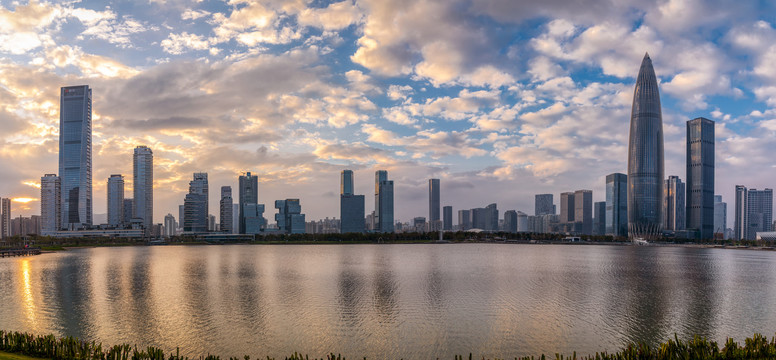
point(394, 301)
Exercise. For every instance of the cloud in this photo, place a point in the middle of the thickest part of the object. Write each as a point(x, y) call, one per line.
point(336, 16)
point(176, 44)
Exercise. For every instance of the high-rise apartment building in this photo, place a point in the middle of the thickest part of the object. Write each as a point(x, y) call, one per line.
point(50, 221)
point(249, 194)
point(383, 202)
point(225, 214)
point(289, 217)
point(433, 205)
point(75, 156)
point(759, 212)
point(645, 158)
point(447, 218)
point(617, 204)
point(673, 204)
point(116, 200)
point(583, 212)
point(543, 205)
point(5, 218)
point(700, 177)
point(599, 218)
point(720, 217)
point(352, 207)
point(169, 225)
point(143, 186)
point(195, 205)
point(464, 220)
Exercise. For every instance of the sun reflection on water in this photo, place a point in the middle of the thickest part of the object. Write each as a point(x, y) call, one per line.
point(28, 300)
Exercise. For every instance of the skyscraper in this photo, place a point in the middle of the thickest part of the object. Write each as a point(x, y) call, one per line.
point(346, 182)
point(510, 221)
point(673, 204)
point(543, 205)
point(195, 205)
point(383, 202)
point(235, 218)
point(115, 200)
point(567, 208)
point(599, 218)
point(700, 177)
point(50, 221)
point(464, 220)
point(5, 218)
point(739, 224)
point(128, 204)
point(759, 212)
point(143, 186)
point(75, 156)
point(720, 217)
point(583, 212)
point(433, 204)
point(447, 217)
point(352, 206)
point(645, 157)
point(617, 204)
point(249, 194)
point(225, 215)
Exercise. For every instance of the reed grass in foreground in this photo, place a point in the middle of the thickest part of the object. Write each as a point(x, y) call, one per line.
point(69, 348)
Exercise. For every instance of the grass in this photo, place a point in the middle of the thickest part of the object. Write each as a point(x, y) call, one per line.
point(19, 346)
point(11, 356)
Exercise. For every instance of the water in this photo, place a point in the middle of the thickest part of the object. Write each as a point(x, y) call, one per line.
point(390, 301)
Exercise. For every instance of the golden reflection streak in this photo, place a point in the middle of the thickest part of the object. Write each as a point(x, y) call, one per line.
point(28, 302)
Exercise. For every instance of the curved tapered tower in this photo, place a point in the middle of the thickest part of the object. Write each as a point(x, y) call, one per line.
point(645, 158)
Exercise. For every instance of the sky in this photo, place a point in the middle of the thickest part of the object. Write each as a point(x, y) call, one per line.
point(500, 99)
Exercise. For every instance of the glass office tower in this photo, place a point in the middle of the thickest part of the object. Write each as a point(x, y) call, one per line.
point(645, 158)
point(75, 156)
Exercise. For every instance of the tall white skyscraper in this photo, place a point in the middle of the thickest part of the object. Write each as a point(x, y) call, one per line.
point(115, 200)
point(143, 186)
point(50, 221)
point(720, 216)
point(75, 156)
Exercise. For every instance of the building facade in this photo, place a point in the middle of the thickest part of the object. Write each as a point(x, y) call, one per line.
point(510, 221)
point(567, 208)
point(143, 186)
point(225, 214)
point(645, 157)
point(115, 200)
point(617, 204)
point(700, 177)
point(759, 212)
point(128, 205)
point(169, 225)
point(50, 190)
point(673, 204)
point(75, 156)
point(249, 195)
point(739, 216)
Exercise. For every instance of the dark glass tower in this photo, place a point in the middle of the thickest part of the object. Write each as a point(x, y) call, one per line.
point(75, 156)
point(645, 158)
point(700, 177)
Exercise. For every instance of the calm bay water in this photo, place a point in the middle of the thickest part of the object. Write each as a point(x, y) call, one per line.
point(390, 301)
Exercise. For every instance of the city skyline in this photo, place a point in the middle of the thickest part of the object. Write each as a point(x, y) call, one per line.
point(543, 102)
